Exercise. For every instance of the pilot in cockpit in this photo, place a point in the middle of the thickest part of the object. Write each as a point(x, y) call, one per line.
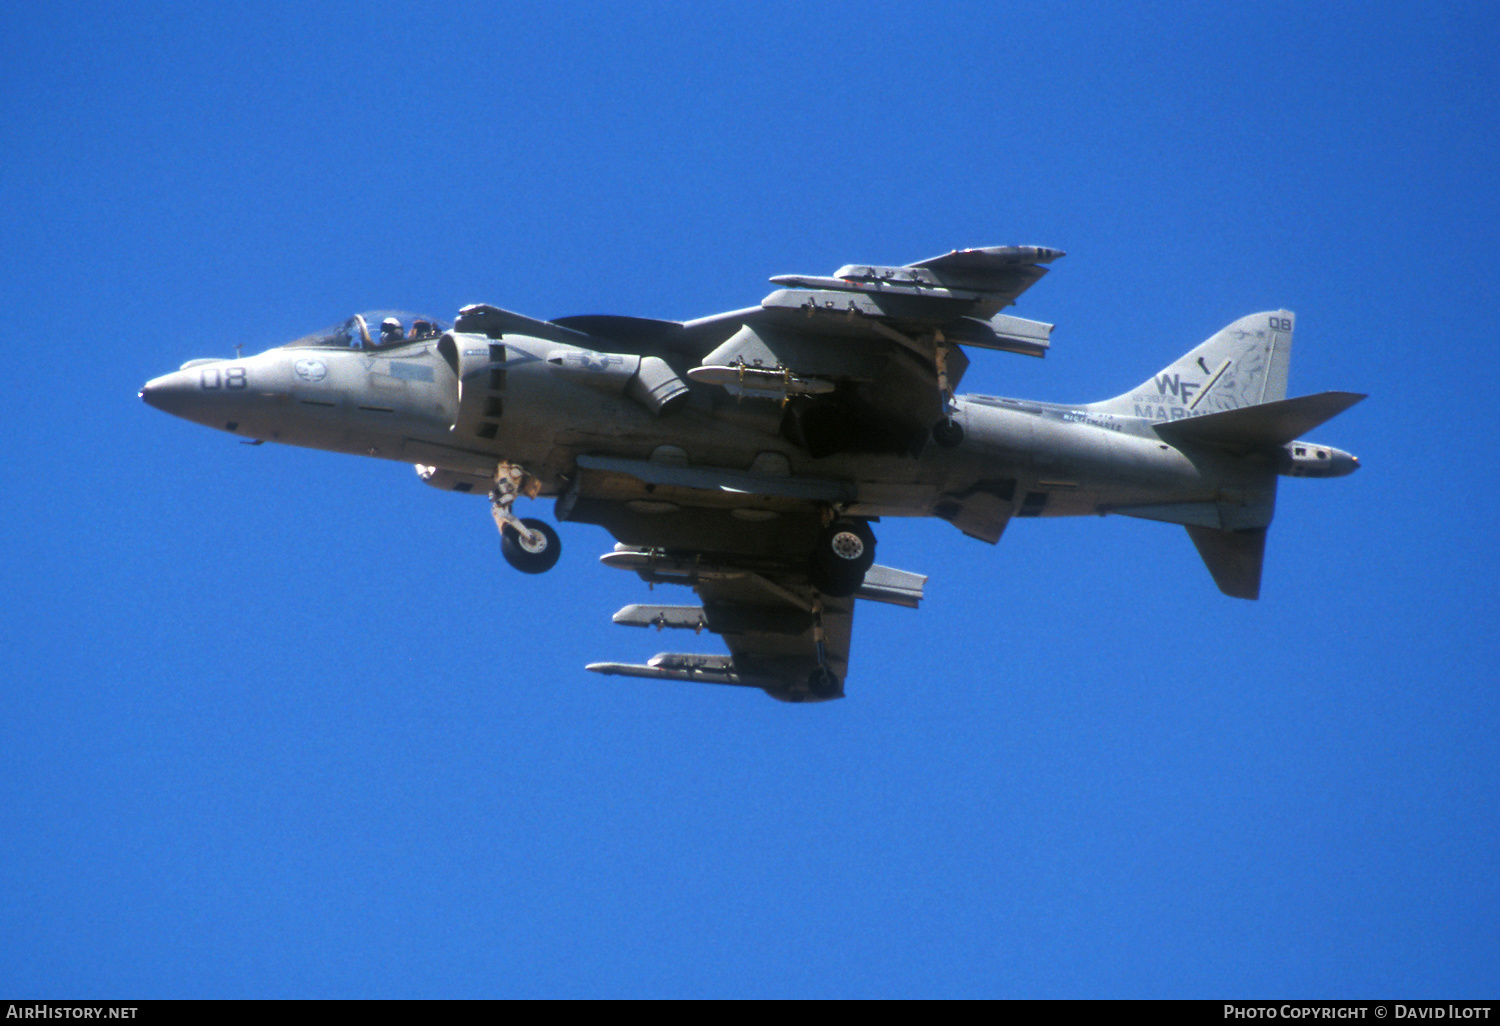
point(390, 331)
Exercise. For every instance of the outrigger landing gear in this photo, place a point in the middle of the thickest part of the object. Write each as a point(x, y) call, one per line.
point(529, 545)
point(822, 683)
point(948, 433)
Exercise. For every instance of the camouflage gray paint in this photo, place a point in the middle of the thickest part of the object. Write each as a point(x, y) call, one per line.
point(745, 454)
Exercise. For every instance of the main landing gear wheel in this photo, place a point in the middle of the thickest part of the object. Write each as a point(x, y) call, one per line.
point(845, 552)
point(534, 555)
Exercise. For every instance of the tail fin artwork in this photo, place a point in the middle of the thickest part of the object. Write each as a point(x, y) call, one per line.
point(1245, 364)
point(1230, 392)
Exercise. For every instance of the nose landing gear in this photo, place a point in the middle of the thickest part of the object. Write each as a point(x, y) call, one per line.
point(535, 552)
point(529, 545)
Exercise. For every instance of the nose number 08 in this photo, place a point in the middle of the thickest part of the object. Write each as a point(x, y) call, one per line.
point(233, 378)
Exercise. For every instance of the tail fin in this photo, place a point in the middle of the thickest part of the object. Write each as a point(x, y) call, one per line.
point(1245, 364)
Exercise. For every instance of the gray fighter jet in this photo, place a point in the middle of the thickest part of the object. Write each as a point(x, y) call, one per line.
point(747, 454)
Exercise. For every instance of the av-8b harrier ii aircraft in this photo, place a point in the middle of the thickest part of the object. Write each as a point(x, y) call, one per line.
point(747, 454)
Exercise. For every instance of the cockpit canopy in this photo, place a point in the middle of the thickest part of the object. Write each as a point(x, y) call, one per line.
point(374, 329)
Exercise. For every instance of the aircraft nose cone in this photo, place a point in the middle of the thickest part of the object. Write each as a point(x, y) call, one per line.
point(168, 393)
point(183, 394)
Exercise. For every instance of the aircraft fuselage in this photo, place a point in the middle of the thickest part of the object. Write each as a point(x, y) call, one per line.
point(402, 404)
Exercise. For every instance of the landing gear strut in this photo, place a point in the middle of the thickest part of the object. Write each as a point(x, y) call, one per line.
point(946, 432)
point(531, 546)
point(822, 683)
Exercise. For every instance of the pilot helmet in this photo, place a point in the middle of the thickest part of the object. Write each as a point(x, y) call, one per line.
point(390, 326)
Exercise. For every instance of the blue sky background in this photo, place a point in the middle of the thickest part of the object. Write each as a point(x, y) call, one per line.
point(282, 723)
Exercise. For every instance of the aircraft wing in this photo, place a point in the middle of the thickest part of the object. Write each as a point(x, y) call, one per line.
point(743, 542)
point(783, 635)
point(864, 360)
point(959, 292)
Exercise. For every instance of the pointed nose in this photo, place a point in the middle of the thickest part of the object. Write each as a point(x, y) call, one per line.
point(170, 393)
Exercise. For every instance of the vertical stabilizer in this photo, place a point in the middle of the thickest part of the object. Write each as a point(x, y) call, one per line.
point(1245, 364)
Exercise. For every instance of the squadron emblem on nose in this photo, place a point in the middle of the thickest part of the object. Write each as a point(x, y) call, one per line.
point(312, 370)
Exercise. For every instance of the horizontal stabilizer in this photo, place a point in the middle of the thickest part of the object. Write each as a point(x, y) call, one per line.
point(1268, 424)
point(1233, 557)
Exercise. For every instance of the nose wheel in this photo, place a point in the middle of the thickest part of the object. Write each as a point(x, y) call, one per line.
point(534, 552)
point(529, 545)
